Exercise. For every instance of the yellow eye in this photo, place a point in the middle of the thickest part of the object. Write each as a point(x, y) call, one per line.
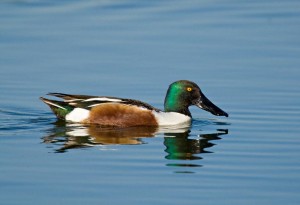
point(189, 89)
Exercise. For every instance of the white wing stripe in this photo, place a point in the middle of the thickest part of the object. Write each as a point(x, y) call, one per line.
point(48, 102)
point(95, 105)
point(103, 99)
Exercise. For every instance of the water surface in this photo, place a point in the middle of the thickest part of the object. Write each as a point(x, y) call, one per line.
point(244, 56)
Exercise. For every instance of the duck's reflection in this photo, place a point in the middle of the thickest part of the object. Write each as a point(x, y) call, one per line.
point(181, 144)
point(70, 136)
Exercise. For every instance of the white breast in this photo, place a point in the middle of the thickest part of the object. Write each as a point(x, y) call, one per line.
point(171, 118)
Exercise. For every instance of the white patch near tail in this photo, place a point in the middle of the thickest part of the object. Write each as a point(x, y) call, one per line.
point(171, 118)
point(78, 115)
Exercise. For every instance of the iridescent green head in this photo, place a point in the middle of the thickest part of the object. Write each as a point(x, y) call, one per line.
point(182, 94)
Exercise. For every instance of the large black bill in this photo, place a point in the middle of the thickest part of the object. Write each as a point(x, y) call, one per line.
point(205, 104)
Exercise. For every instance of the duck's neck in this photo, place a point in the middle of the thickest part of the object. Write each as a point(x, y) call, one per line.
point(173, 103)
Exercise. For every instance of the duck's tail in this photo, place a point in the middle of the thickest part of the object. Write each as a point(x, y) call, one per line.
point(59, 108)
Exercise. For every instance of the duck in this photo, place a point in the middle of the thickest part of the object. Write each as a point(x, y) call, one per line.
point(122, 112)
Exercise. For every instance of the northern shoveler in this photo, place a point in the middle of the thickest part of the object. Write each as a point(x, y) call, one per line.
point(121, 112)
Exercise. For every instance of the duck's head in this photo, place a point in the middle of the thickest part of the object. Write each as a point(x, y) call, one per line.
point(182, 94)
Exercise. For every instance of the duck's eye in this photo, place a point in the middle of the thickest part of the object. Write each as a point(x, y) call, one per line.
point(189, 89)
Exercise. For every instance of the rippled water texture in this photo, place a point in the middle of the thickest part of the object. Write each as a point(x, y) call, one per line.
point(243, 54)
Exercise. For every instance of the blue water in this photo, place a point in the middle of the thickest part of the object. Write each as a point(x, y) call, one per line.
point(244, 56)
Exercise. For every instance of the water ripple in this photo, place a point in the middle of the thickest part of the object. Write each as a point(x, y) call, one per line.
point(13, 122)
